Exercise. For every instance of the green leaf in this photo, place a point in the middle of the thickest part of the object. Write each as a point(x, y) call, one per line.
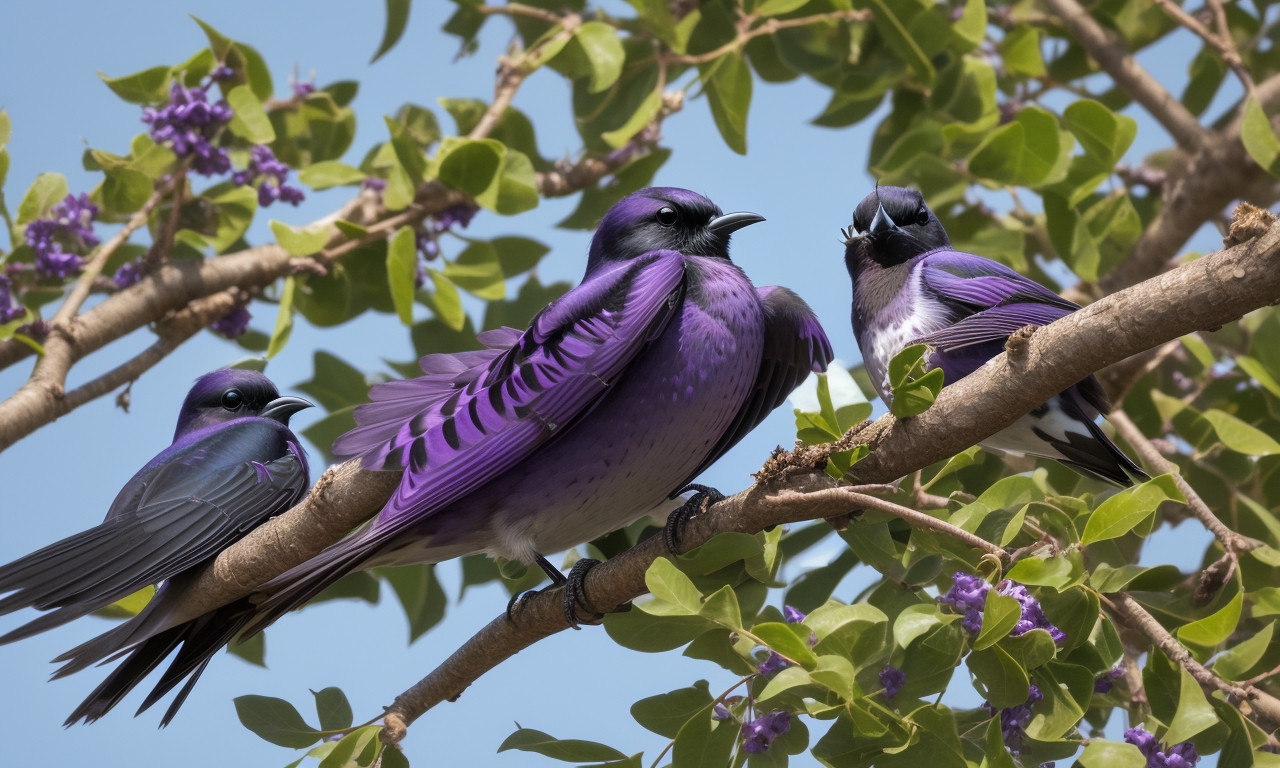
point(1122, 512)
point(1260, 138)
point(668, 584)
point(787, 640)
point(999, 617)
point(326, 300)
point(778, 7)
point(402, 270)
point(219, 43)
point(397, 20)
point(1100, 131)
point(284, 319)
point(1070, 237)
point(146, 87)
point(1239, 436)
point(330, 173)
point(568, 750)
point(446, 302)
point(252, 649)
point(333, 708)
point(1194, 713)
point(700, 743)
point(301, 242)
point(357, 749)
point(644, 114)
point(127, 607)
point(1056, 571)
point(665, 713)
point(901, 40)
point(125, 190)
point(1109, 754)
point(1001, 679)
point(250, 121)
point(971, 27)
point(1215, 628)
point(477, 271)
point(472, 166)
point(603, 49)
point(407, 151)
point(1025, 152)
point(420, 595)
point(275, 720)
point(517, 255)
point(1236, 662)
point(913, 390)
point(1020, 50)
point(728, 85)
point(46, 191)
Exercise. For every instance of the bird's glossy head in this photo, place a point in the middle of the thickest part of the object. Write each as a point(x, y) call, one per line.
point(892, 225)
point(664, 218)
point(228, 394)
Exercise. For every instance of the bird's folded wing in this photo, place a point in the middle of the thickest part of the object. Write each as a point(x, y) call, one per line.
point(552, 375)
point(994, 300)
point(794, 346)
point(200, 501)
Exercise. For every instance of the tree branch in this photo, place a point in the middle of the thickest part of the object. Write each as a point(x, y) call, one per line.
point(1106, 49)
point(1247, 698)
point(1209, 292)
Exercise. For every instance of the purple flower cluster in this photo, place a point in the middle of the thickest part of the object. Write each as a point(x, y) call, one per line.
point(1032, 614)
point(1106, 682)
point(758, 734)
point(8, 310)
point(793, 615)
point(128, 273)
point(427, 236)
point(892, 679)
point(70, 224)
point(1013, 720)
point(968, 597)
point(232, 324)
point(721, 712)
point(189, 122)
point(263, 163)
point(1181, 755)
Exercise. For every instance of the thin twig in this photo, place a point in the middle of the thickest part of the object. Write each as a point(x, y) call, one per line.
point(1231, 541)
point(1221, 41)
point(1248, 699)
point(747, 33)
point(93, 267)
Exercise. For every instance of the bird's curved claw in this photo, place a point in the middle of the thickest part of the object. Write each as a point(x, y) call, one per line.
point(575, 593)
point(678, 517)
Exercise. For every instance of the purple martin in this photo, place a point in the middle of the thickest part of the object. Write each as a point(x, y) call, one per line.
point(233, 464)
point(911, 287)
point(616, 396)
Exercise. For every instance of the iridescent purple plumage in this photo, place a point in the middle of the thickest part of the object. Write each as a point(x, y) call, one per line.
point(910, 287)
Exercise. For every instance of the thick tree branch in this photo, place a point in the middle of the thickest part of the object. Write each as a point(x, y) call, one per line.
point(1209, 292)
point(1106, 49)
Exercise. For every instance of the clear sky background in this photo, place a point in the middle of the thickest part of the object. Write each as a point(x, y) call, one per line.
point(60, 480)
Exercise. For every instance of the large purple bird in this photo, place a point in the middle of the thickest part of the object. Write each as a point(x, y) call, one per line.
point(233, 464)
point(910, 287)
point(617, 395)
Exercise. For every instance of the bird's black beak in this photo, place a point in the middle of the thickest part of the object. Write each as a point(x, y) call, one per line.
point(732, 222)
point(881, 224)
point(282, 408)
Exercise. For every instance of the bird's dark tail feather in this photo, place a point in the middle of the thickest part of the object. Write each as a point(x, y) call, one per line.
point(1097, 457)
point(196, 642)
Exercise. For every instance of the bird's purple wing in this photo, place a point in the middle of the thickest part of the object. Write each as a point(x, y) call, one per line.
point(392, 403)
point(794, 346)
point(192, 502)
point(991, 300)
point(556, 372)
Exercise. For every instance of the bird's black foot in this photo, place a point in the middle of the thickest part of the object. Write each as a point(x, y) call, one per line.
point(553, 573)
point(677, 519)
point(575, 593)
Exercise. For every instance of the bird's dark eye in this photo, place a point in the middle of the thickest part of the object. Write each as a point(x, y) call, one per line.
point(667, 217)
point(232, 399)
point(922, 216)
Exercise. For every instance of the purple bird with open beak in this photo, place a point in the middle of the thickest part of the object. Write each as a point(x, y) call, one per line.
point(911, 287)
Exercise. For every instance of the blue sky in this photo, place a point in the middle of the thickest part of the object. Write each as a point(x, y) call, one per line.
point(805, 180)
